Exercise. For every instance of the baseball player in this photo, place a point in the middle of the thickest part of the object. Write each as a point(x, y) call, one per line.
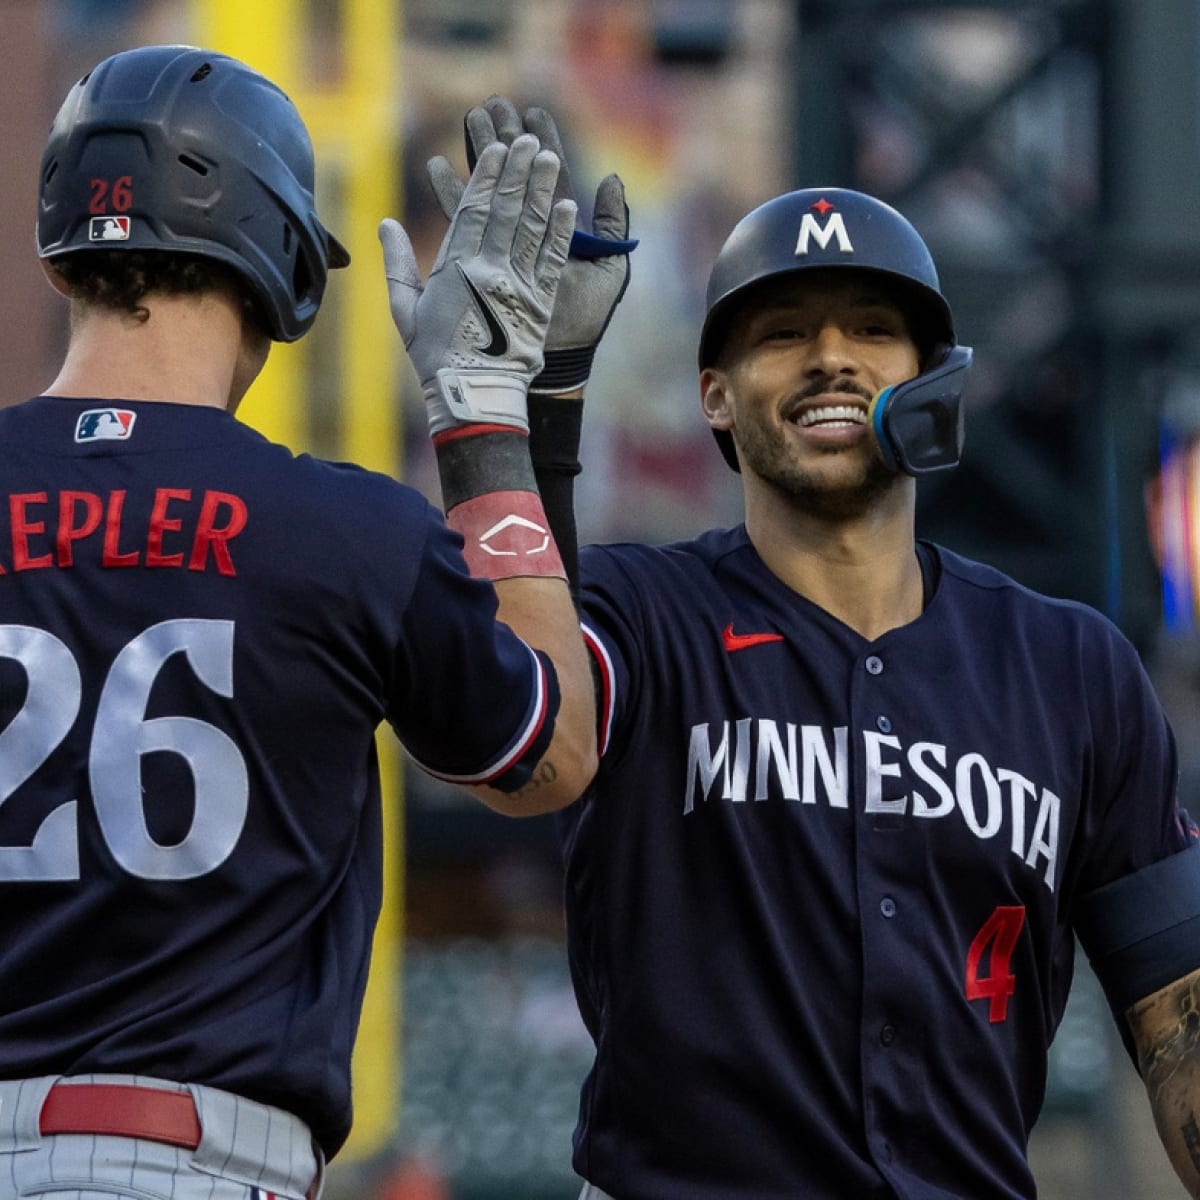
point(857, 795)
point(200, 633)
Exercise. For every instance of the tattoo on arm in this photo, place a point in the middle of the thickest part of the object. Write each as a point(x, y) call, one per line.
point(1167, 1033)
point(1191, 1139)
point(546, 772)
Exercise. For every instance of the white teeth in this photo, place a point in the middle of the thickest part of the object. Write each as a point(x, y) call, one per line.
point(833, 412)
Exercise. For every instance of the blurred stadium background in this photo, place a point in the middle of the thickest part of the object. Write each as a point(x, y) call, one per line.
point(1049, 150)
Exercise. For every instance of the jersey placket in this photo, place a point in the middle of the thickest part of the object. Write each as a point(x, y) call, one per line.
point(886, 1029)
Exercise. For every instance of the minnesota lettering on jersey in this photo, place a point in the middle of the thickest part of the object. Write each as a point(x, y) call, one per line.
point(182, 530)
point(755, 759)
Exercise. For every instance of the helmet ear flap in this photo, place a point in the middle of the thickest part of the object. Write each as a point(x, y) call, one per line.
point(919, 423)
point(728, 452)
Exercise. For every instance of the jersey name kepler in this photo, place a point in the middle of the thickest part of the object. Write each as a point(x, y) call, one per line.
point(182, 530)
point(759, 759)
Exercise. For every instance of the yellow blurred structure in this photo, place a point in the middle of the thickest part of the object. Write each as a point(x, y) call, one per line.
point(333, 392)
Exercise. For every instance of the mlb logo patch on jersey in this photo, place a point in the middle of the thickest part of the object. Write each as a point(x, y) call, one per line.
point(259, 1194)
point(109, 229)
point(104, 425)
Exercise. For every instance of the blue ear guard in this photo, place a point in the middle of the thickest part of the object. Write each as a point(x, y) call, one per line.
point(919, 423)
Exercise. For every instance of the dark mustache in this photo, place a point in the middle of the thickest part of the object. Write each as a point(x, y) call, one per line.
point(820, 387)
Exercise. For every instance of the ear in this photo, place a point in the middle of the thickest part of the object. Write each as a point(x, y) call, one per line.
point(715, 398)
point(55, 280)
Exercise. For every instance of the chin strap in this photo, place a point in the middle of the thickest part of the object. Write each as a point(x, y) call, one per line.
point(919, 423)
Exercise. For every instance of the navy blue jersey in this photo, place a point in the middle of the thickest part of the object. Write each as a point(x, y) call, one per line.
point(820, 895)
point(199, 634)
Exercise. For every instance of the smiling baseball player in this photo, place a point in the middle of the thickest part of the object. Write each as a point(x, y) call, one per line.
point(857, 794)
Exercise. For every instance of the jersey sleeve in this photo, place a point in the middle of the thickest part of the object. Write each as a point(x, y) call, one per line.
point(1138, 908)
point(1135, 818)
point(611, 622)
point(473, 703)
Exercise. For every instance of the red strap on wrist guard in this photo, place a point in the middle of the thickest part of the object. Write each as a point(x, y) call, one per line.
point(506, 535)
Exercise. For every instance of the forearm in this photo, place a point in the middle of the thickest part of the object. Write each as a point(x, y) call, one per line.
point(513, 259)
point(541, 611)
point(487, 483)
point(1166, 1031)
point(535, 609)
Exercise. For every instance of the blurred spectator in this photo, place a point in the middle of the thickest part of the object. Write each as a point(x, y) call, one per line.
point(1173, 524)
point(413, 1179)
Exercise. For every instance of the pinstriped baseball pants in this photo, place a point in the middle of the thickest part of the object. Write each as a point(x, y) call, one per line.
point(247, 1151)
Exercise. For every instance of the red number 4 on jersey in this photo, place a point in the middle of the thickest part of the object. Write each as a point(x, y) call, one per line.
point(1000, 931)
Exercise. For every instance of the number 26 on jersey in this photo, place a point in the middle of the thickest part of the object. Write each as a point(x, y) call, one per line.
point(121, 734)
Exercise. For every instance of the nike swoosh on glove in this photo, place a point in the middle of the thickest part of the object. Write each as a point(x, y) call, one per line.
point(476, 329)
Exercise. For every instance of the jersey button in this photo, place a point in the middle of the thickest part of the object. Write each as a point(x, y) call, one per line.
point(874, 665)
point(887, 906)
point(887, 1035)
point(883, 724)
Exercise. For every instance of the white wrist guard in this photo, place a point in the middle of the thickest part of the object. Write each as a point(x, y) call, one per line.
point(489, 397)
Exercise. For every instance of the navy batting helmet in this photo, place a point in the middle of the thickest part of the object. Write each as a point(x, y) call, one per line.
point(919, 422)
point(180, 149)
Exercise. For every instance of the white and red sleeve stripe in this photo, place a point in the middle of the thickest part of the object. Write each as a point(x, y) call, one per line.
point(608, 686)
point(519, 746)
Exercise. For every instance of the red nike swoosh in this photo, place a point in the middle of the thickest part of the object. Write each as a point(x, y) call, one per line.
point(743, 641)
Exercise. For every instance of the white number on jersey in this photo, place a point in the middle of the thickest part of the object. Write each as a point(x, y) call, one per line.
point(120, 736)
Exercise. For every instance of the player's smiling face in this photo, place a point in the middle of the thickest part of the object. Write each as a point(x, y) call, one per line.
point(803, 358)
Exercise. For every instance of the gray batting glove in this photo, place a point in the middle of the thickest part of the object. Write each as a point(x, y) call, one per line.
point(597, 271)
point(476, 329)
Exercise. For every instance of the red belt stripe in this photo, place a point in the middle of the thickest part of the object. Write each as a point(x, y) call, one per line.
point(123, 1110)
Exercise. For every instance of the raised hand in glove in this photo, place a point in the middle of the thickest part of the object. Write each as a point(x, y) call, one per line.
point(476, 329)
point(597, 271)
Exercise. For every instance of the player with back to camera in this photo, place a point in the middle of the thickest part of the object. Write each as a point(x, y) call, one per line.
point(857, 794)
point(200, 633)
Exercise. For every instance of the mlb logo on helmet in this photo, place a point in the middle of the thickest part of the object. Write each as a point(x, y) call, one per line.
point(108, 229)
point(104, 425)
